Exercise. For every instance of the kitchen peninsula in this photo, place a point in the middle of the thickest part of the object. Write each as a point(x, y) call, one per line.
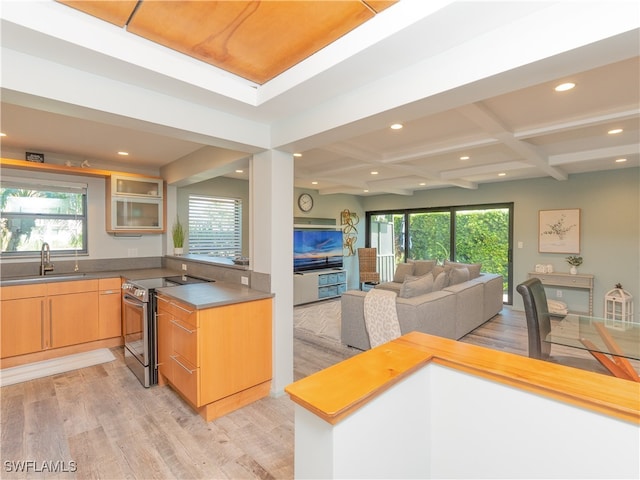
point(214, 345)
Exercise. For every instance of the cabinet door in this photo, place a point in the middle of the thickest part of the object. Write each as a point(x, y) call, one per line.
point(109, 312)
point(235, 348)
point(21, 326)
point(136, 186)
point(165, 340)
point(74, 318)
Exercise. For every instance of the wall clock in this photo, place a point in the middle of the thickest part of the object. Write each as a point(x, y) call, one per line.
point(305, 202)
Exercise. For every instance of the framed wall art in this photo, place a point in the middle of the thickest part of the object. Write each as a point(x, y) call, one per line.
point(559, 231)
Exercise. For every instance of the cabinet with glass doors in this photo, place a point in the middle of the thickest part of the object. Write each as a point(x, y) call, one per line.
point(135, 204)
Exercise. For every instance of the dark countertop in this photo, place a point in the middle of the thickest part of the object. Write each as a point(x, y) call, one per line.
point(137, 274)
point(199, 295)
point(209, 295)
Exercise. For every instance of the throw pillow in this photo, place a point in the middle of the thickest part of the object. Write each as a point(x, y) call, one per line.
point(458, 275)
point(402, 270)
point(474, 268)
point(415, 286)
point(422, 267)
point(441, 281)
point(437, 270)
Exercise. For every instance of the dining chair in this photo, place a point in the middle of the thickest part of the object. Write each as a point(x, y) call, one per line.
point(368, 264)
point(539, 325)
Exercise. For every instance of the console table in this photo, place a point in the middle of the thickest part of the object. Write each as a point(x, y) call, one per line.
point(581, 281)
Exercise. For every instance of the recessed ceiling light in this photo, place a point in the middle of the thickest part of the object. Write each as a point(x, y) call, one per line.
point(3, 134)
point(396, 126)
point(314, 183)
point(374, 173)
point(615, 131)
point(124, 154)
point(422, 184)
point(465, 157)
point(563, 87)
point(366, 191)
point(621, 160)
point(297, 154)
point(239, 171)
point(502, 174)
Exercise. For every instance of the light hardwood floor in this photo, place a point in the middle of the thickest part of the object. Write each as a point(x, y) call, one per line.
point(112, 428)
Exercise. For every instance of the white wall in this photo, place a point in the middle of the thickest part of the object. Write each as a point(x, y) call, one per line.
point(444, 423)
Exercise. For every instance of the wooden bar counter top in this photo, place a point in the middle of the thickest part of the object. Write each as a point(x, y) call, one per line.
point(340, 390)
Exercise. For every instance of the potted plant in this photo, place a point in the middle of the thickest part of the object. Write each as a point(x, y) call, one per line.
point(575, 262)
point(177, 232)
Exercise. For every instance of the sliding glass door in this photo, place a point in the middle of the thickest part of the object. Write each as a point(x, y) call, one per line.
point(468, 234)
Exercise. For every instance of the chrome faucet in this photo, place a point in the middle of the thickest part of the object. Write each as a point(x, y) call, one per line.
point(45, 259)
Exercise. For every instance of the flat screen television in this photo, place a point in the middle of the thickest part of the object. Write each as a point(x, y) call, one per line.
point(316, 249)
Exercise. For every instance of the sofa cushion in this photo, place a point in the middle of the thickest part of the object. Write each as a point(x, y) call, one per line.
point(474, 268)
point(402, 270)
point(441, 281)
point(458, 275)
point(414, 286)
point(422, 267)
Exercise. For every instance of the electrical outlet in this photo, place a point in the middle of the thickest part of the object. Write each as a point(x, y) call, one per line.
point(184, 267)
point(244, 280)
point(559, 293)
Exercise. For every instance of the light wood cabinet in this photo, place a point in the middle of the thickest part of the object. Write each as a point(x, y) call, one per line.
point(45, 316)
point(22, 320)
point(218, 359)
point(135, 204)
point(73, 312)
point(109, 308)
point(165, 338)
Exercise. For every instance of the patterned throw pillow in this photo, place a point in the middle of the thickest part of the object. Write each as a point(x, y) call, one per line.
point(415, 286)
point(402, 270)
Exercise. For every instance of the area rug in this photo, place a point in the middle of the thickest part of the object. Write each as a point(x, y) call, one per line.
point(321, 319)
point(31, 371)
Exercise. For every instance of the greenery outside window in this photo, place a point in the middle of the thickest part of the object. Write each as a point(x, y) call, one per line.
point(215, 226)
point(36, 211)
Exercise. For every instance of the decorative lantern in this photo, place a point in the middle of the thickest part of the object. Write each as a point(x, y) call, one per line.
point(618, 309)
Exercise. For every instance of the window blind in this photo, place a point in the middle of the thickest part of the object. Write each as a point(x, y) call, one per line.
point(215, 226)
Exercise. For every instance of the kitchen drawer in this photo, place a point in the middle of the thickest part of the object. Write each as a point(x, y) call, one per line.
point(185, 313)
point(185, 378)
point(79, 286)
point(185, 340)
point(110, 284)
point(23, 291)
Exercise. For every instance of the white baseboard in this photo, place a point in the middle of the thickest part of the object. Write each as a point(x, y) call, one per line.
point(45, 368)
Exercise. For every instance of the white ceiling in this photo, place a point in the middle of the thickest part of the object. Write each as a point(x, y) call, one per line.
point(465, 78)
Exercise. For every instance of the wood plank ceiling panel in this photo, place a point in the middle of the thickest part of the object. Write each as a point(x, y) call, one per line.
point(112, 11)
point(256, 40)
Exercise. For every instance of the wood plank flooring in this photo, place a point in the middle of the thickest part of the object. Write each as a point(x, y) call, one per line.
point(101, 423)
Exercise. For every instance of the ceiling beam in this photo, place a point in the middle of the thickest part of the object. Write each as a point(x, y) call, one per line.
point(490, 123)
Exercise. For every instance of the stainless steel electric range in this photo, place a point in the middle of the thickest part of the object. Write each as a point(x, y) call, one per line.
point(140, 323)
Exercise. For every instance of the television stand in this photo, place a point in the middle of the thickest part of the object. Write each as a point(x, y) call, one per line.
point(314, 285)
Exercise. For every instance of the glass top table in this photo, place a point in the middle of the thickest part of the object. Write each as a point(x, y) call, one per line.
point(601, 337)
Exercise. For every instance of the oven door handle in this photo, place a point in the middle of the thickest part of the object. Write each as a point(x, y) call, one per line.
point(135, 303)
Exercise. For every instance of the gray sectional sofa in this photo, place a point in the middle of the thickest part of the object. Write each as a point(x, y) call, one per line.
point(447, 300)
